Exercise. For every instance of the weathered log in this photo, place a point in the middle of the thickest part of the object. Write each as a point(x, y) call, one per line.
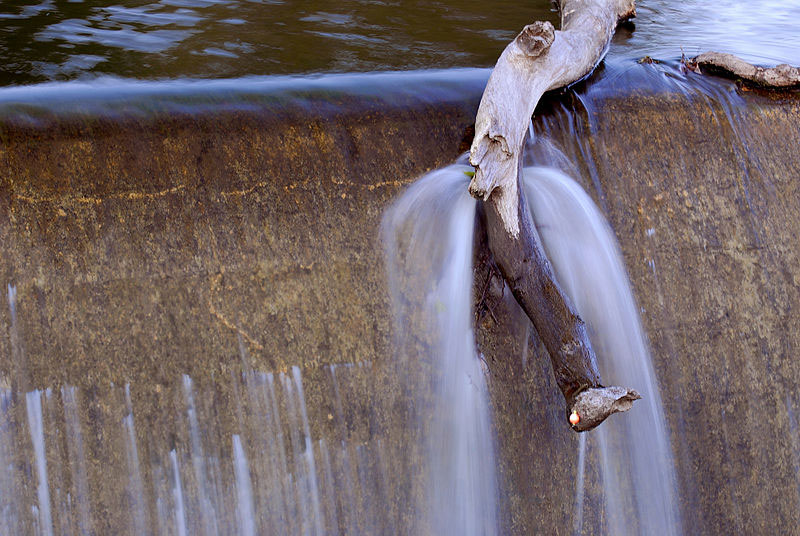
point(537, 60)
point(782, 76)
point(529, 275)
point(541, 59)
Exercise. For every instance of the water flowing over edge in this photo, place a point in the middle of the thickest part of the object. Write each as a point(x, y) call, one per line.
point(429, 241)
point(635, 455)
point(77, 497)
point(270, 478)
point(434, 218)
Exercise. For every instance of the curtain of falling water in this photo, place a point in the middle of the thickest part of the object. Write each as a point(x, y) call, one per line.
point(244, 489)
point(275, 478)
point(636, 459)
point(137, 496)
point(267, 482)
point(429, 238)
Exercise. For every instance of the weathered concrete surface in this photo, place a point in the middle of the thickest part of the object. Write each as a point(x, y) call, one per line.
point(704, 200)
point(172, 237)
point(145, 249)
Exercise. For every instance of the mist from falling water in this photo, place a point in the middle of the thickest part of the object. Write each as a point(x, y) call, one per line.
point(636, 459)
point(429, 237)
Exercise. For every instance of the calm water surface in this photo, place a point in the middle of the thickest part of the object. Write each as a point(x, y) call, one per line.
point(68, 39)
point(59, 39)
point(764, 32)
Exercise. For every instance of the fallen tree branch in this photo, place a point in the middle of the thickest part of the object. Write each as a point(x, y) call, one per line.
point(541, 59)
point(782, 76)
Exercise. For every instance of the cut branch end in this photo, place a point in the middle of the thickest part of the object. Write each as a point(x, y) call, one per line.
point(596, 404)
point(535, 39)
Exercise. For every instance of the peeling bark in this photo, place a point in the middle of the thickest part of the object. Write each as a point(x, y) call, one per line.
point(782, 76)
point(541, 59)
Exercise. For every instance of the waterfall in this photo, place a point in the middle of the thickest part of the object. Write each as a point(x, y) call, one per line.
point(429, 239)
point(137, 496)
point(294, 482)
point(636, 459)
point(76, 454)
point(177, 492)
point(577, 521)
point(272, 477)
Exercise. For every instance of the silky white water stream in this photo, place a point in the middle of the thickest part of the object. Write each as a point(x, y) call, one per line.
point(635, 456)
point(429, 237)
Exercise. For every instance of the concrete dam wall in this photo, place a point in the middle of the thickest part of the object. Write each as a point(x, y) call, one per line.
point(198, 331)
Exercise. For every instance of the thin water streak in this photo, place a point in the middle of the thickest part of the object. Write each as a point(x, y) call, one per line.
point(77, 458)
point(136, 486)
point(280, 442)
point(577, 520)
point(33, 406)
point(177, 494)
point(244, 489)
point(308, 454)
point(206, 509)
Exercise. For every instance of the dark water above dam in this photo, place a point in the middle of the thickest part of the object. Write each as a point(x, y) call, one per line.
point(55, 40)
point(42, 40)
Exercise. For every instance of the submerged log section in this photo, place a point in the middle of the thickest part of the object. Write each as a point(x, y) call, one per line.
point(783, 76)
point(541, 59)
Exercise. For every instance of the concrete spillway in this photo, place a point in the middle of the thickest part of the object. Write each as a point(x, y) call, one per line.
point(233, 239)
